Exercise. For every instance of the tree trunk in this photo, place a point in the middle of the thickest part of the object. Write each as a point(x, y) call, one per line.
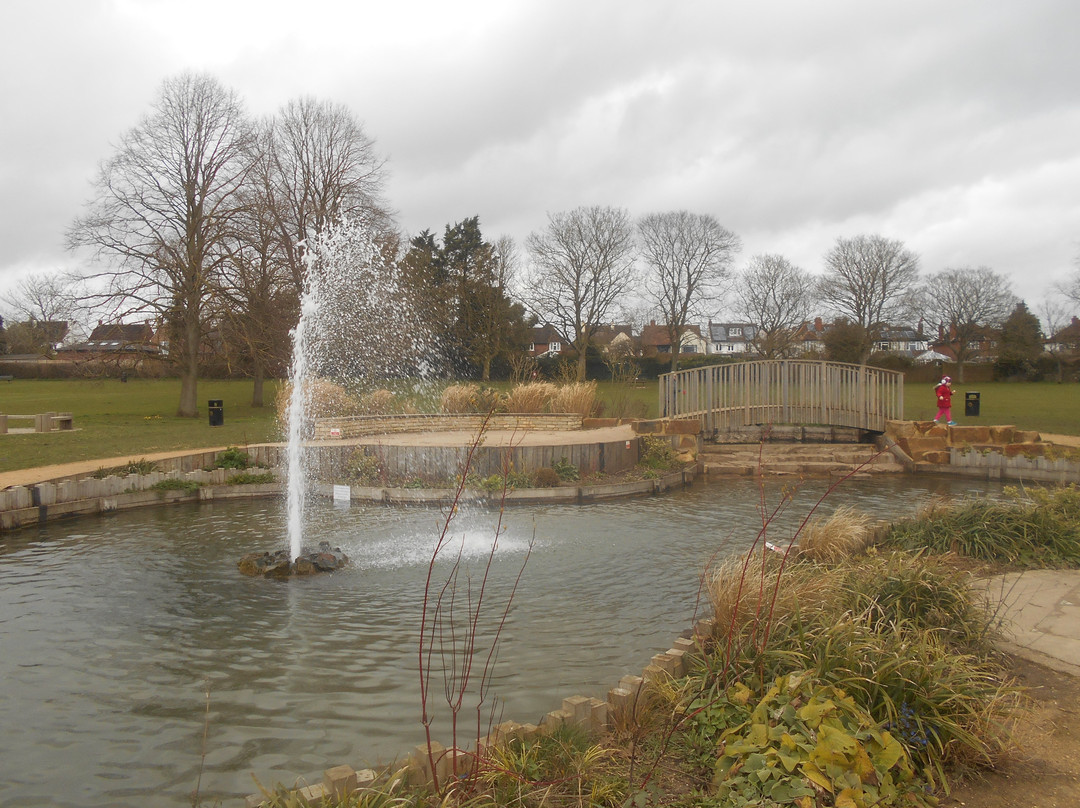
point(486, 374)
point(959, 372)
point(189, 371)
point(581, 365)
point(674, 359)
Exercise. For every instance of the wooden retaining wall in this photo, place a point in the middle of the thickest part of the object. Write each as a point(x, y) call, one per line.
point(360, 426)
point(445, 462)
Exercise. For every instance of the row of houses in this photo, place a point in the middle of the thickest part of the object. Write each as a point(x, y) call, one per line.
point(733, 339)
point(738, 339)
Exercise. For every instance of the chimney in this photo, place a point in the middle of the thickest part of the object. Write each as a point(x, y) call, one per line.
point(818, 325)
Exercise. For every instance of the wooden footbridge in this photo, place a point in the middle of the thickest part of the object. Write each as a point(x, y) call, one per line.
point(727, 398)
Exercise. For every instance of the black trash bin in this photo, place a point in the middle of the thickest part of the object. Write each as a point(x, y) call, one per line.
point(971, 403)
point(217, 412)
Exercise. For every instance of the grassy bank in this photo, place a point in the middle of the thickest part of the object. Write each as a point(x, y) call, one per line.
point(115, 419)
point(1042, 406)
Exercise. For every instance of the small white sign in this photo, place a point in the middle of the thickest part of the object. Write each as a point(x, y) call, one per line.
point(342, 493)
point(335, 432)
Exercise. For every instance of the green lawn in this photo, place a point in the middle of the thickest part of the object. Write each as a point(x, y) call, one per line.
point(1042, 406)
point(115, 419)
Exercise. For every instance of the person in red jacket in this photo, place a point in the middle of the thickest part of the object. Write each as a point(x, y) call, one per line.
point(944, 401)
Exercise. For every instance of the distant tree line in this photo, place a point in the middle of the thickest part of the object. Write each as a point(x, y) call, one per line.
point(201, 219)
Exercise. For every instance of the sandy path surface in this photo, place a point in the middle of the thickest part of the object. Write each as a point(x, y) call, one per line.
point(461, 438)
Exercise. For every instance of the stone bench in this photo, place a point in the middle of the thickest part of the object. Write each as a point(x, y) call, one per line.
point(6, 378)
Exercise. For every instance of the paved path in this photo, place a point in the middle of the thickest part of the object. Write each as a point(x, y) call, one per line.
point(1041, 610)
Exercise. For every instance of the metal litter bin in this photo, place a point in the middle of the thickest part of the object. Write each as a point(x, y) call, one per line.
point(971, 403)
point(217, 412)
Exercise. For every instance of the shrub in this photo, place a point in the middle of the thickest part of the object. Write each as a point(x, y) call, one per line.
point(577, 397)
point(141, 466)
point(546, 478)
point(566, 470)
point(232, 458)
point(251, 478)
point(657, 453)
point(364, 469)
point(531, 397)
point(176, 484)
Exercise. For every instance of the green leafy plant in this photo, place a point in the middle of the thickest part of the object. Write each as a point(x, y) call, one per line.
point(232, 458)
point(251, 478)
point(566, 470)
point(364, 469)
point(176, 484)
point(802, 742)
point(141, 466)
point(657, 453)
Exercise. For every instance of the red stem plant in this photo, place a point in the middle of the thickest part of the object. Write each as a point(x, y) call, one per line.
point(451, 645)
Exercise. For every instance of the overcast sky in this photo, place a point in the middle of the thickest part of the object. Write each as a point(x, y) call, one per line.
point(952, 126)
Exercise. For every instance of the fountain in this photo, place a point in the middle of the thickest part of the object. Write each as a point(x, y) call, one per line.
point(349, 287)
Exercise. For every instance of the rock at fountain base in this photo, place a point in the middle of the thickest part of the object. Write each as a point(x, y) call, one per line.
point(278, 564)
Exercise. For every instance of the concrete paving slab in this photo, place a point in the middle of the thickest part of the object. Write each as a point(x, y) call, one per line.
point(1041, 613)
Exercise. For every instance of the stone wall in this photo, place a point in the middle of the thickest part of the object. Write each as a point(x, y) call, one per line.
point(360, 426)
point(36, 504)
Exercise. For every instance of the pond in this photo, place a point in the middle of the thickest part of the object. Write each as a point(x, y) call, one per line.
point(114, 628)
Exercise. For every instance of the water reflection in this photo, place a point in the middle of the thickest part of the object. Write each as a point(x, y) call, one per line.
point(113, 628)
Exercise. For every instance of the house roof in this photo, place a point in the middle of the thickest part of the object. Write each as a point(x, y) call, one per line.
point(654, 335)
point(124, 333)
point(545, 334)
point(721, 332)
point(1068, 334)
point(605, 334)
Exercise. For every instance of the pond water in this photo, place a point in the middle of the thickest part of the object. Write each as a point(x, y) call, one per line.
point(112, 630)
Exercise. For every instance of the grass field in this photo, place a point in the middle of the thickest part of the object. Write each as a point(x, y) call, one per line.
point(115, 419)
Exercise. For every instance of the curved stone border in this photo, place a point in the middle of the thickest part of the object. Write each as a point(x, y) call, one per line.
point(21, 506)
point(594, 715)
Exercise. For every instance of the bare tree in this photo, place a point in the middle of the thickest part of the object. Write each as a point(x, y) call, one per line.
point(321, 166)
point(583, 262)
point(689, 256)
point(43, 310)
point(777, 297)
point(1055, 317)
point(256, 299)
point(163, 210)
point(965, 301)
point(866, 280)
point(1070, 287)
point(42, 297)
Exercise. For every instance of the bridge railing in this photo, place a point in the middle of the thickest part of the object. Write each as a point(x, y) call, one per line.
point(786, 391)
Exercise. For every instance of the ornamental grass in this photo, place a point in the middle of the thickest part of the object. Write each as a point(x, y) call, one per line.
point(1031, 528)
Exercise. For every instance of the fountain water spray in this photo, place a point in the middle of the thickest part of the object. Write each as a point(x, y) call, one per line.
point(355, 325)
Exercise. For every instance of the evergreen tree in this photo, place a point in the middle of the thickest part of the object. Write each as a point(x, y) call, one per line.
point(1021, 344)
point(1021, 336)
